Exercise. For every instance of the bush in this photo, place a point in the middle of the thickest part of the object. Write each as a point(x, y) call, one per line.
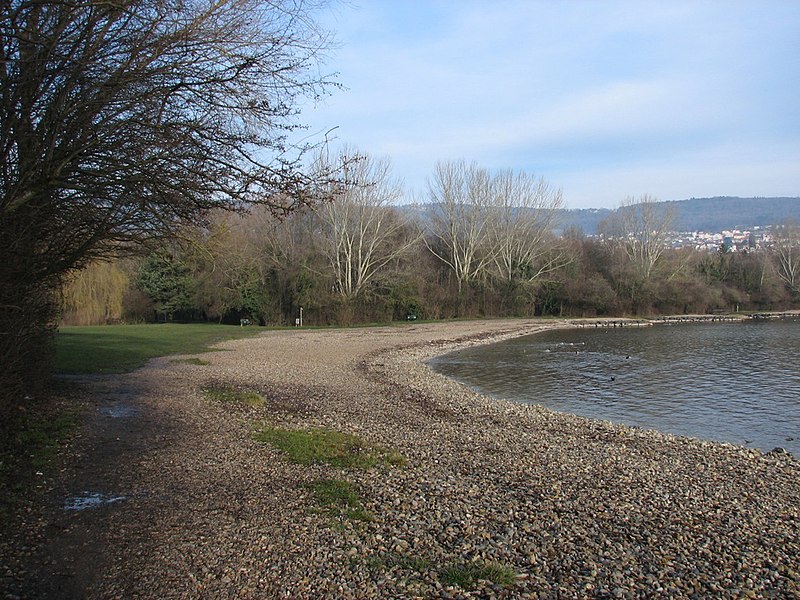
point(27, 324)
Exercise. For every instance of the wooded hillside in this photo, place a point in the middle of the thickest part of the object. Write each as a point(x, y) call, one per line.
point(702, 214)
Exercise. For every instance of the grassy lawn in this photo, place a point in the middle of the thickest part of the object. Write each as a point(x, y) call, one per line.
point(119, 348)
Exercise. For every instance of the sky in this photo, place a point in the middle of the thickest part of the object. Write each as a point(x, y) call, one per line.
point(604, 99)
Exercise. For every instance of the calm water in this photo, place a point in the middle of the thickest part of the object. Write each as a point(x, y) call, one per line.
point(733, 382)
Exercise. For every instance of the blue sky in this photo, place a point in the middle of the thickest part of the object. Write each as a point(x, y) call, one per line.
point(604, 99)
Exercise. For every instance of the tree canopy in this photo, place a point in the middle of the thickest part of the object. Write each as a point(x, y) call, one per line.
point(122, 121)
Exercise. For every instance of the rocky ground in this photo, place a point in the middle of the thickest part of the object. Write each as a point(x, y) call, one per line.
point(185, 503)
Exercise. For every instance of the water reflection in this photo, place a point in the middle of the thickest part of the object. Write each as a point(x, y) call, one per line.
point(89, 500)
point(735, 382)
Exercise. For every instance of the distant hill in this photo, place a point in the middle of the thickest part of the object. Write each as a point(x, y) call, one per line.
point(702, 214)
point(696, 214)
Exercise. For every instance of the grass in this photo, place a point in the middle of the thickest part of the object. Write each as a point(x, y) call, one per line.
point(227, 394)
point(40, 435)
point(339, 498)
point(467, 575)
point(193, 360)
point(325, 446)
point(120, 348)
point(412, 563)
point(29, 443)
point(401, 561)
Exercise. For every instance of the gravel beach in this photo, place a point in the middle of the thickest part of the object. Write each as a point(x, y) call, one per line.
point(189, 505)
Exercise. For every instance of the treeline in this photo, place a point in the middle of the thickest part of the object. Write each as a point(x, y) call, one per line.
point(482, 246)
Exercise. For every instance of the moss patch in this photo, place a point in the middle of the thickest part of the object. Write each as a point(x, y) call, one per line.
point(227, 394)
point(192, 361)
point(339, 498)
point(467, 575)
point(29, 444)
point(326, 446)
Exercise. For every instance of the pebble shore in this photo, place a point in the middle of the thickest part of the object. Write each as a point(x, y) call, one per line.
point(575, 508)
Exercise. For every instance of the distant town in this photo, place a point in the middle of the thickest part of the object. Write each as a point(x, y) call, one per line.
point(735, 240)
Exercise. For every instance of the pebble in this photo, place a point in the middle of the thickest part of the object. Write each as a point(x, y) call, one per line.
point(572, 507)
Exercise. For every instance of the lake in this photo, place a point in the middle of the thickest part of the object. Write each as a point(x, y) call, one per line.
point(732, 382)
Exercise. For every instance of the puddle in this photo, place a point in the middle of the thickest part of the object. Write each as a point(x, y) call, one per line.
point(90, 500)
point(120, 410)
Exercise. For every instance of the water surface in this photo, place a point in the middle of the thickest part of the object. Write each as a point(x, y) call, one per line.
point(732, 382)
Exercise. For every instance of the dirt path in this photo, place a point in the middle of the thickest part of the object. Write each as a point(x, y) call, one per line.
point(124, 425)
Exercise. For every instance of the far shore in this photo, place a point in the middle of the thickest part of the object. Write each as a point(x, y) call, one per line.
point(570, 507)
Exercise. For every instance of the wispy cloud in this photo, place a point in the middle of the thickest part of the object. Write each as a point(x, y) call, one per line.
point(633, 96)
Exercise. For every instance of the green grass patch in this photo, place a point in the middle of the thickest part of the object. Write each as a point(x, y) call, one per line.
point(45, 437)
point(29, 444)
point(120, 348)
point(339, 498)
point(375, 563)
point(467, 575)
point(325, 446)
point(192, 361)
point(226, 394)
point(412, 563)
point(37, 437)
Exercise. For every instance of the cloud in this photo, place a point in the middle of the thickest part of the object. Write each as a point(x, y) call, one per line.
point(630, 94)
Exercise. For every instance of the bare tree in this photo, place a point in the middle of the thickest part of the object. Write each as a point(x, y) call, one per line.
point(786, 256)
point(640, 227)
point(125, 119)
point(121, 121)
point(522, 230)
point(461, 215)
point(362, 232)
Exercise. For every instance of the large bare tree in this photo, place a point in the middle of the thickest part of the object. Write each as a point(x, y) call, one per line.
point(525, 208)
point(123, 120)
point(362, 230)
point(461, 219)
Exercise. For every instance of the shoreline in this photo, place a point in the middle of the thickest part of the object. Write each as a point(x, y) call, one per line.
point(616, 323)
point(409, 364)
point(571, 506)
